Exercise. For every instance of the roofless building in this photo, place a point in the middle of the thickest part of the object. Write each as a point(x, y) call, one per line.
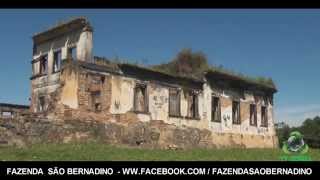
point(69, 82)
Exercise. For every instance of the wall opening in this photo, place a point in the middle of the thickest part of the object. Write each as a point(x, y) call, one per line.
point(215, 109)
point(56, 61)
point(44, 64)
point(192, 99)
point(264, 116)
point(72, 52)
point(253, 114)
point(96, 101)
point(41, 104)
point(236, 112)
point(174, 102)
point(140, 98)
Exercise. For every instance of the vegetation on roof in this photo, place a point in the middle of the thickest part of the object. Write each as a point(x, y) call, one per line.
point(264, 81)
point(186, 63)
point(195, 64)
point(106, 62)
point(116, 62)
point(192, 65)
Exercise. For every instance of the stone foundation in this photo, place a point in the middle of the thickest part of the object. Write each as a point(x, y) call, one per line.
point(122, 130)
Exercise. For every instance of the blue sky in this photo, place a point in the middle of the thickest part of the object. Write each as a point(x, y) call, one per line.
point(282, 44)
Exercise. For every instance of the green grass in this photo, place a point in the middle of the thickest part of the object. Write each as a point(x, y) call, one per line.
point(95, 151)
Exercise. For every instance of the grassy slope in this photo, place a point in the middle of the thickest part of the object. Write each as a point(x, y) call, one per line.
point(93, 151)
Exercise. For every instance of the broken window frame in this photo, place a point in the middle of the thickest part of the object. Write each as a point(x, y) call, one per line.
point(43, 70)
point(264, 116)
point(57, 58)
point(215, 109)
point(96, 104)
point(253, 115)
point(41, 104)
point(177, 94)
point(72, 52)
point(236, 119)
point(193, 113)
point(145, 98)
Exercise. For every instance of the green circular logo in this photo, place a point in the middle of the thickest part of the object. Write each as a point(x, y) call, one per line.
point(295, 144)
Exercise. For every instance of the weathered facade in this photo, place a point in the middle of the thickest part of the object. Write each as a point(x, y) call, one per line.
point(68, 82)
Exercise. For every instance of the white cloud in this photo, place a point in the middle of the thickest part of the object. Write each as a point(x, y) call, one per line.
point(295, 115)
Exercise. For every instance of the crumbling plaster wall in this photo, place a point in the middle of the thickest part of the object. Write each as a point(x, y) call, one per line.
point(124, 127)
point(158, 102)
point(200, 122)
point(225, 140)
point(73, 98)
point(69, 93)
point(89, 82)
point(117, 96)
point(43, 85)
point(49, 47)
point(85, 46)
point(81, 38)
point(226, 125)
point(122, 90)
point(122, 102)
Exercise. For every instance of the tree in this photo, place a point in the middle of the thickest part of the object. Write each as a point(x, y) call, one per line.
point(310, 130)
point(186, 63)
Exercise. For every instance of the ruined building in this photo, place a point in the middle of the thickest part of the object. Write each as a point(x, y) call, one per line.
point(69, 82)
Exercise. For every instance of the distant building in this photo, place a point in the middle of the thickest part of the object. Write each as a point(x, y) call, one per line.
point(69, 82)
point(8, 111)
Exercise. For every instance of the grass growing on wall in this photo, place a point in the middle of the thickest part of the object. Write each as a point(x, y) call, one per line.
point(95, 151)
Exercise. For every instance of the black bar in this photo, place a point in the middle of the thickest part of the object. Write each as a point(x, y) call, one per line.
point(190, 168)
point(159, 4)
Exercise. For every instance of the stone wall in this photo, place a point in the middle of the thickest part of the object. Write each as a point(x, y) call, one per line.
point(122, 129)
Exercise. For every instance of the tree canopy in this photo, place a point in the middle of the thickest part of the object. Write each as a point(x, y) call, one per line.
point(310, 130)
